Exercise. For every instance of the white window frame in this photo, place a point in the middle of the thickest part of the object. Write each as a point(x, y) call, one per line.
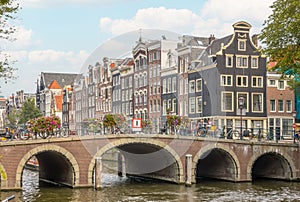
point(254, 85)
point(199, 109)
point(253, 65)
point(222, 101)
point(279, 105)
point(245, 95)
point(227, 60)
point(242, 79)
point(241, 64)
point(192, 99)
point(226, 80)
point(191, 84)
point(262, 102)
point(271, 105)
point(278, 87)
point(269, 82)
point(240, 42)
point(197, 89)
point(288, 105)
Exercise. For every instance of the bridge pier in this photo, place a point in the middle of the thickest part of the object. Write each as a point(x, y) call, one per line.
point(98, 173)
point(189, 163)
point(121, 165)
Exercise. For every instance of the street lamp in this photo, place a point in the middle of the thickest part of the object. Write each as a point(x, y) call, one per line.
point(241, 105)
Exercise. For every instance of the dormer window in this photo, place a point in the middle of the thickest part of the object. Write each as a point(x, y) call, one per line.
point(241, 45)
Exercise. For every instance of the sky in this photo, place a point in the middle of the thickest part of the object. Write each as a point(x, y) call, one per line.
point(60, 35)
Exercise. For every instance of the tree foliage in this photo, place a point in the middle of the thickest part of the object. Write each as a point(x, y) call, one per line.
point(12, 119)
point(7, 10)
point(28, 111)
point(281, 37)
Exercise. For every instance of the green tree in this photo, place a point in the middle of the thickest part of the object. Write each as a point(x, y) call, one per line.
point(12, 119)
point(28, 111)
point(7, 10)
point(281, 37)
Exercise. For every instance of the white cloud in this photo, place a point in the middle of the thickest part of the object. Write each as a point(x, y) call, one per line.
point(216, 16)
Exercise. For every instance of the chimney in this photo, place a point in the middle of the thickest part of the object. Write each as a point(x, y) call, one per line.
point(211, 38)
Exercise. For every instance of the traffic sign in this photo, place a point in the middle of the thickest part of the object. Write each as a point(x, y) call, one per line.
point(136, 124)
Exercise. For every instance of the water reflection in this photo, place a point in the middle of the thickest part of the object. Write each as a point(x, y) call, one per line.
point(136, 189)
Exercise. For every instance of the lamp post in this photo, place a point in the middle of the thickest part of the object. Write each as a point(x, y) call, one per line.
point(241, 105)
point(294, 113)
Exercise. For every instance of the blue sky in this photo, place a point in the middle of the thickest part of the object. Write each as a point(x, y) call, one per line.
point(58, 36)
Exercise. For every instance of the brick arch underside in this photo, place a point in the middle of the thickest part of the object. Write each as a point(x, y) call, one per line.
point(272, 165)
point(217, 162)
point(172, 169)
point(61, 165)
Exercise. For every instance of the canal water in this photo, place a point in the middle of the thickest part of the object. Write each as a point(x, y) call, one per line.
point(141, 190)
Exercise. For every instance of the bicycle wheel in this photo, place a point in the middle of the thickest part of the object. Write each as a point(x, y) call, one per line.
point(236, 133)
point(44, 135)
point(64, 132)
point(24, 135)
point(218, 133)
point(202, 132)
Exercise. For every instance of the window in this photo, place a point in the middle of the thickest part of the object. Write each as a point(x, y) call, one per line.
point(281, 85)
point(164, 107)
point(164, 86)
point(280, 106)
point(254, 62)
point(272, 105)
point(229, 60)
point(226, 80)
point(199, 104)
point(227, 101)
point(192, 87)
point(169, 104)
point(272, 82)
point(192, 105)
point(150, 106)
point(242, 81)
point(288, 105)
point(186, 86)
point(154, 106)
point(257, 102)
point(257, 81)
point(174, 84)
point(242, 45)
point(198, 85)
point(169, 85)
point(245, 96)
point(242, 62)
point(174, 109)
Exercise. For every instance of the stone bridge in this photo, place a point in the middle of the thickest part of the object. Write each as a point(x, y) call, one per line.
point(76, 161)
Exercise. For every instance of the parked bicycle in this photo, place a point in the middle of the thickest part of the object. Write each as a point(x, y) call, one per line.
point(228, 134)
point(22, 133)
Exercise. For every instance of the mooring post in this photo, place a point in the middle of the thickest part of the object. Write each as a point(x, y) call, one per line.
point(188, 163)
point(121, 165)
point(98, 173)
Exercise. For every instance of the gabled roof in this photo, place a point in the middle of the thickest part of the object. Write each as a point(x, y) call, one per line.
point(216, 44)
point(62, 79)
point(54, 85)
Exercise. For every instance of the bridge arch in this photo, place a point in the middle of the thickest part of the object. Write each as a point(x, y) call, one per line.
point(282, 164)
point(122, 142)
point(228, 155)
point(3, 177)
point(48, 148)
